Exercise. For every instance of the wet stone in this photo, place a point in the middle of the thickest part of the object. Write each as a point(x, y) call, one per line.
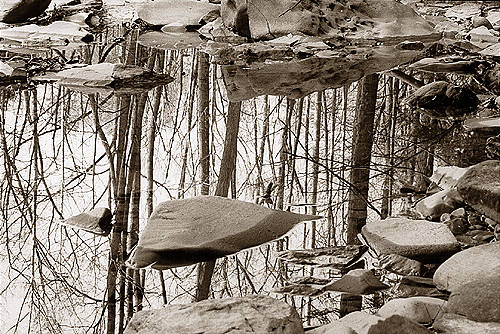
point(419, 240)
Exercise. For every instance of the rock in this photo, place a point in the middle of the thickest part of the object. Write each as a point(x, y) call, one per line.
point(432, 207)
point(335, 327)
point(419, 240)
point(184, 12)
point(457, 226)
point(5, 70)
point(482, 123)
point(446, 177)
point(411, 286)
point(468, 265)
point(480, 188)
point(441, 99)
point(460, 212)
point(399, 264)
point(250, 314)
point(277, 18)
point(419, 309)
point(108, 77)
point(457, 324)
point(478, 21)
point(19, 11)
point(493, 147)
point(184, 232)
point(339, 257)
point(359, 321)
point(97, 221)
point(357, 282)
point(397, 324)
point(303, 286)
point(464, 11)
point(169, 40)
point(483, 34)
point(477, 300)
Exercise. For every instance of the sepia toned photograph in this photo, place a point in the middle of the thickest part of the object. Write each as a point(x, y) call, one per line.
point(249, 166)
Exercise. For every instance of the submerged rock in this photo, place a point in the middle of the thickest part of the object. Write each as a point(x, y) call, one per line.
point(480, 188)
point(441, 99)
point(419, 240)
point(339, 257)
point(357, 282)
point(97, 221)
point(468, 265)
point(400, 264)
point(478, 300)
point(250, 314)
point(184, 232)
point(419, 309)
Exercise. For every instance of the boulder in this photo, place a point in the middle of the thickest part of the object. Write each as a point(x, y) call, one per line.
point(419, 240)
point(477, 300)
point(333, 327)
point(446, 177)
point(397, 324)
point(357, 282)
point(250, 314)
point(432, 207)
point(188, 231)
point(457, 324)
point(399, 264)
point(468, 265)
point(97, 221)
point(493, 147)
point(441, 100)
point(419, 309)
point(359, 321)
point(480, 188)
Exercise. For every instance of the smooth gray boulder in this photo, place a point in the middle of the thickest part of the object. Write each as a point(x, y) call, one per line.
point(457, 324)
point(444, 201)
point(468, 265)
point(400, 265)
point(250, 314)
point(478, 300)
point(419, 309)
point(419, 240)
point(359, 321)
point(334, 327)
point(480, 188)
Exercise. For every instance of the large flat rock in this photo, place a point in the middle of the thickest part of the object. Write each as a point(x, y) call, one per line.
point(480, 188)
point(477, 300)
point(357, 282)
point(468, 265)
point(420, 240)
point(333, 327)
point(360, 321)
point(184, 232)
point(251, 314)
point(338, 257)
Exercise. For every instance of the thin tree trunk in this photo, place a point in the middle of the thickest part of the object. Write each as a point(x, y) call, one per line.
point(360, 172)
point(204, 120)
point(228, 165)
